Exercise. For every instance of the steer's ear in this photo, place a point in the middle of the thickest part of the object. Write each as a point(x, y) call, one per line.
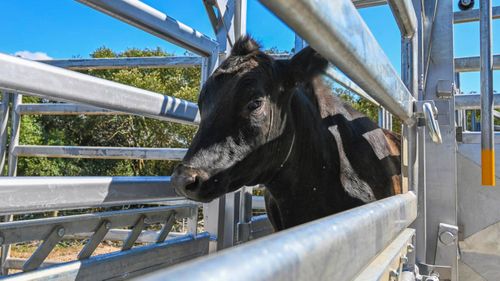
point(306, 64)
point(244, 46)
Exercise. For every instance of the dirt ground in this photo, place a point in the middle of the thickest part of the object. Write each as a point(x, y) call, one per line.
point(62, 252)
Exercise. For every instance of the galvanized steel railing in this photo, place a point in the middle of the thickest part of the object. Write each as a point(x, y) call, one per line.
point(333, 248)
point(356, 54)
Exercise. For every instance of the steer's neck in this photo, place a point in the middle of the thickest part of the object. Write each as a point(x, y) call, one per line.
point(310, 174)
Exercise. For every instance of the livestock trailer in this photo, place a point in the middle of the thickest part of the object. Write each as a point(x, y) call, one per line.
point(445, 226)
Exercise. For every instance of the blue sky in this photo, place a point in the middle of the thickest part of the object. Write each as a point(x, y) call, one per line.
point(68, 29)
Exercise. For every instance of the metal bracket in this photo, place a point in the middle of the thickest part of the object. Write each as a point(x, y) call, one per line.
point(427, 111)
point(134, 234)
point(445, 89)
point(447, 246)
point(446, 253)
point(431, 272)
point(244, 232)
point(169, 223)
point(95, 240)
point(44, 249)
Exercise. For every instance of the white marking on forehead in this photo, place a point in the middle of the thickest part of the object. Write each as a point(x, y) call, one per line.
point(376, 139)
point(353, 185)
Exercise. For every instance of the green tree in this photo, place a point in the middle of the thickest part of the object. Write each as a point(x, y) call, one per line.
point(116, 131)
point(127, 130)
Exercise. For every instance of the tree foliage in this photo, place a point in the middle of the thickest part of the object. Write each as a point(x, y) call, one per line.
point(127, 130)
point(114, 131)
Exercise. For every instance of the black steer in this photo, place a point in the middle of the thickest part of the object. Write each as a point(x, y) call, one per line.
point(274, 122)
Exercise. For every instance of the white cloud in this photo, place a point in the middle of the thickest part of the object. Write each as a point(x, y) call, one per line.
point(32, 55)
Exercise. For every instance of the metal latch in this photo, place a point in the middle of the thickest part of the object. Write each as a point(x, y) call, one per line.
point(428, 111)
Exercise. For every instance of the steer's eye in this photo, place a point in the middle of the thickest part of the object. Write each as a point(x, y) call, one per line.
point(254, 105)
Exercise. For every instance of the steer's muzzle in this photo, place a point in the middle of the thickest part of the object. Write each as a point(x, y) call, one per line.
point(188, 181)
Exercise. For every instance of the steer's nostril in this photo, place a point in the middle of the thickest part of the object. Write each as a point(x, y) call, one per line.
point(194, 184)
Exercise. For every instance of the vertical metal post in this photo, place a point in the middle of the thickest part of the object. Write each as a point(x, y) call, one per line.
point(416, 176)
point(440, 164)
point(220, 215)
point(459, 113)
point(473, 120)
point(389, 121)
point(381, 117)
point(487, 132)
point(245, 214)
point(14, 136)
point(464, 118)
point(4, 118)
point(299, 43)
point(240, 15)
point(12, 169)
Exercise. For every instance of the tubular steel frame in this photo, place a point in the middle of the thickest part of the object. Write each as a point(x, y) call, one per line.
point(429, 204)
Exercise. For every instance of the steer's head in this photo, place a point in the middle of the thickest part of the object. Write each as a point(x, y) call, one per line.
point(244, 131)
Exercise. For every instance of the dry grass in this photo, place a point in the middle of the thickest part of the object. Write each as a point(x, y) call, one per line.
point(62, 252)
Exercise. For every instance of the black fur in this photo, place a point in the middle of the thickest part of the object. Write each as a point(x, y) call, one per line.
point(272, 122)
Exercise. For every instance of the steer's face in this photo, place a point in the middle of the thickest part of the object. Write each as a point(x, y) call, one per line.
point(243, 108)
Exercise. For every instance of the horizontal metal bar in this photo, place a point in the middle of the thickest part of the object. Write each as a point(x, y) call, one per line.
point(389, 259)
point(39, 194)
point(473, 101)
point(142, 16)
point(38, 229)
point(475, 138)
point(146, 236)
point(368, 3)
point(281, 56)
point(337, 247)
point(258, 202)
point(120, 63)
point(473, 15)
point(345, 82)
point(17, 263)
point(97, 152)
point(346, 41)
point(126, 264)
point(470, 64)
point(24, 76)
point(62, 109)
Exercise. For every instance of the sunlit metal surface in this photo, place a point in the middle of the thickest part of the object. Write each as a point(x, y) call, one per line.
point(347, 42)
point(139, 14)
point(313, 251)
point(38, 194)
point(24, 76)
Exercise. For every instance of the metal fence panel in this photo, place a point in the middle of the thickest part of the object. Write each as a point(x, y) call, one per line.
point(472, 15)
point(126, 264)
point(313, 251)
point(57, 193)
point(469, 64)
point(96, 152)
point(474, 101)
point(20, 75)
point(120, 63)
